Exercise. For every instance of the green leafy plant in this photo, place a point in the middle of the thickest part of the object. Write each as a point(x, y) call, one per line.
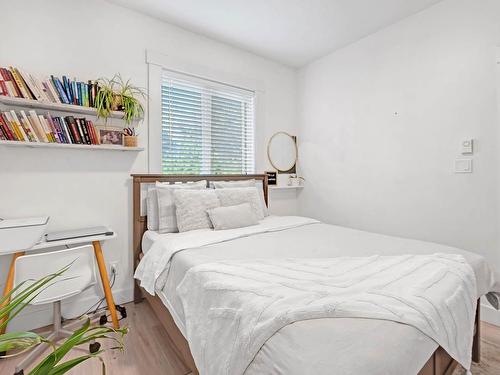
point(104, 99)
point(19, 342)
point(115, 94)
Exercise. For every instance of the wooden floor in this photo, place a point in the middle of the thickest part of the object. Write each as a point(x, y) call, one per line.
point(147, 350)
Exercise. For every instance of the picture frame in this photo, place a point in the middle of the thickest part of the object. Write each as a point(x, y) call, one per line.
point(271, 177)
point(110, 135)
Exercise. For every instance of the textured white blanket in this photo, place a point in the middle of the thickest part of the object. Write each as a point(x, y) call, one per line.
point(157, 260)
point(233, 307)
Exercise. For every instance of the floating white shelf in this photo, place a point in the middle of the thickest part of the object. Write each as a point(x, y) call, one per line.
point(285, 187)
point(69, 146)
point(69, 108)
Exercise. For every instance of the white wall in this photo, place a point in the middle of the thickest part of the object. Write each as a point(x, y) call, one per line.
point(381, 122)
point(90, 39)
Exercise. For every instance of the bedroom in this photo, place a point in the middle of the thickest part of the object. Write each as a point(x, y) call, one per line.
point(381, 99)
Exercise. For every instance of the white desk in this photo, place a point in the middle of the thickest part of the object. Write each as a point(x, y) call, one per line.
point(96, 243)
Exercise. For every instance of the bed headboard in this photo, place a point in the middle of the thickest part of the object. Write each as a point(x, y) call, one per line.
point(140, 186)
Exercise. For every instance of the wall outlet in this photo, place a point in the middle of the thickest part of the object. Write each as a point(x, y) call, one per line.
point(113, 268)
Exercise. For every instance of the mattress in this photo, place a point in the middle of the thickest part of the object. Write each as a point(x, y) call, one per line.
point(326, 346)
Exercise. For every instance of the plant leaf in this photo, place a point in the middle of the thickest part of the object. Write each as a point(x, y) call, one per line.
point(19, 340)
point(68, 365)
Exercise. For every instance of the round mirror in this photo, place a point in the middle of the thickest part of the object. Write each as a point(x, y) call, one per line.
point(282, 151)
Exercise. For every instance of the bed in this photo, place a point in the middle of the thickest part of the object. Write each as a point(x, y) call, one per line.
point(305, 347)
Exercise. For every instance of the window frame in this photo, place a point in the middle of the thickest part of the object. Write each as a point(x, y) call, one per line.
point(157, 63)
point(217, 90)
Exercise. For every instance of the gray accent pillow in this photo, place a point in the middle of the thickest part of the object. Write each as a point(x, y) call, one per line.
point(231, 217)
point(243, 183)
point(165, 206)
point(235, 196)
point(191, 208)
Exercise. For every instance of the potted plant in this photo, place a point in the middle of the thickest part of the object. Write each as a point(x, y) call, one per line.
point(115, 94)
point(20, 342)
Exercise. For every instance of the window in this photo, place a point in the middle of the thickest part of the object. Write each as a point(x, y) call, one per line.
point(207, 127)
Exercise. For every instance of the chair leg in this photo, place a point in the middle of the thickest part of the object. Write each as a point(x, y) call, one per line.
point(34, 354)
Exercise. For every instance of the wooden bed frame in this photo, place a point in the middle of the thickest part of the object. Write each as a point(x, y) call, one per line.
point(440, 363)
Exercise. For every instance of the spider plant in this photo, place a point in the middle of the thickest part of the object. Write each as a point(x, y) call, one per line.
point(131, 105)
point(104, 99)
point(115, 94)
point(20, 342)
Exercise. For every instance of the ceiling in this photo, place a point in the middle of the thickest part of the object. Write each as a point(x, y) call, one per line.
point(293, 32)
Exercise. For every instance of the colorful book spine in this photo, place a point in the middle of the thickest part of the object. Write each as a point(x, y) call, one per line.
point(27, 122)
point(6, 128)
point(60, 89)
point(37, 126)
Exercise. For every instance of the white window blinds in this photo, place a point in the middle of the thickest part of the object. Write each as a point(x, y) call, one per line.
point(207, 127)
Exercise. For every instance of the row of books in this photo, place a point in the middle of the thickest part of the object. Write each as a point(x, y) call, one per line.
point(32, 127)
point(18, 84)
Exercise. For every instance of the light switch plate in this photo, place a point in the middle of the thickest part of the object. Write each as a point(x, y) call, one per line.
point(467, 146)
point(463, 166)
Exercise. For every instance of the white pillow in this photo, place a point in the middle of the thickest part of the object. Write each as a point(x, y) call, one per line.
point(191, 208)
point(244, 183)
point(165, 207)
point(234, 196)
point(230, 217)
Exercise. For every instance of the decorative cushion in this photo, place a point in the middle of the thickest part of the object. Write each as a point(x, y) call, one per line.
point(235, 196)
point(191, 208)
point(230, 217)
point(165, 207)
point(244, 183)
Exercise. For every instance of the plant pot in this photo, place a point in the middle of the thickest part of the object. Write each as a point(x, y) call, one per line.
point(130, 141)
point(117, 104)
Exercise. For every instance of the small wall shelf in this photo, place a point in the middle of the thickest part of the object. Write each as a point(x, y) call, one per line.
point(285, 187)
point(69, 146)
point(69, 108)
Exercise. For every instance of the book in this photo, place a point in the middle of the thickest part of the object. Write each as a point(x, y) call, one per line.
point(67, 89)
point(3, 87)
point(6, 129)
point(46, 129)
point(60, 90)
point(30, 85)
point(25, 130)
point(85, 129)
point(50, 84)
point(80, 130)
point(93, 132)
point(25, 92)
point(29, 125)
point(52, 128)
point(3, 136)
point(20, 135)
point(37, 126)
point(41, 92)
point(74, 129)
point(64, 127)
point(10, 83)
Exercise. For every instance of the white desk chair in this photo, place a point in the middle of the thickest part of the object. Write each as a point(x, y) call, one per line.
point(80, 276)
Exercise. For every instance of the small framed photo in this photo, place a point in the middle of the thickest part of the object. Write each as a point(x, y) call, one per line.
point(271, 177)
point(110, 136)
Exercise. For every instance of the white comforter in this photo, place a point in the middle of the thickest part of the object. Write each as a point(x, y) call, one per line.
point(306, 347)
point(157, 260)
point(233, 307)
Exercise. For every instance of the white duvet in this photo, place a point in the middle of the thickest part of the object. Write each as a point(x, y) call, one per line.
point(233, 307)
point(328, 243)
point(157, 260)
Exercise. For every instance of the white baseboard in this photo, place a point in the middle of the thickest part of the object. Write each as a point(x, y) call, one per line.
point(489, 314)
point(39, 316)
